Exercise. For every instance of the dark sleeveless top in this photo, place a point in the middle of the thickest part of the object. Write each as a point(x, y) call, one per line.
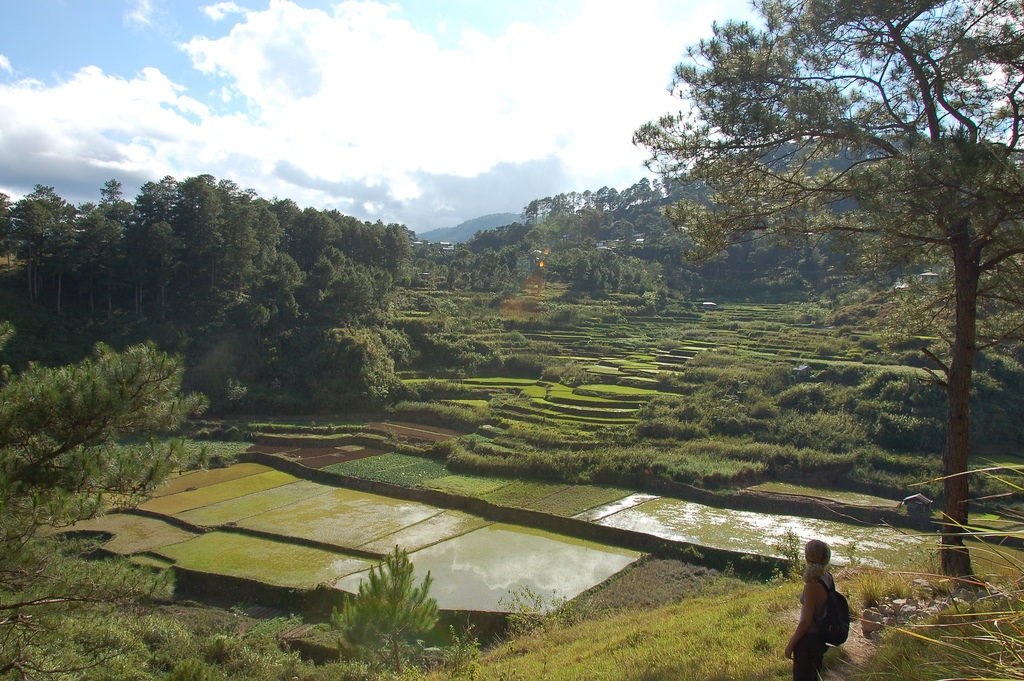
point(819, 611)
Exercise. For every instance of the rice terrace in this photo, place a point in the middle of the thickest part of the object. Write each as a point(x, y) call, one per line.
point(639, 432)
point(327, 499)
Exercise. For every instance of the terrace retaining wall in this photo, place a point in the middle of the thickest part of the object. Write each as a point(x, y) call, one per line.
point(318, 602)
point(339, 440)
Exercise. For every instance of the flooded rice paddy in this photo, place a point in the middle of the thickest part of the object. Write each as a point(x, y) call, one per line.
point(480, 570)
point(305, 534)
point(475, 563)
point(762, 533)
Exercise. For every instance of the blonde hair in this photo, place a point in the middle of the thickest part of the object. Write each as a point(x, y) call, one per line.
point(817, 554)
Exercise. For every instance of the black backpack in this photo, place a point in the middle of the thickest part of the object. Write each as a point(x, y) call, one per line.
point(834, 626)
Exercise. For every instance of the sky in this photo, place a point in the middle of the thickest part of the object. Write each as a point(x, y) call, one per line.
point(422, 112)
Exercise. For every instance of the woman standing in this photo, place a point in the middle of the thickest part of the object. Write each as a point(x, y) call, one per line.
point(806, 647)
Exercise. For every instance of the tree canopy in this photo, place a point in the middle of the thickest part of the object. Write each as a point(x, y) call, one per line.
point(204, 268)
point(893, 128)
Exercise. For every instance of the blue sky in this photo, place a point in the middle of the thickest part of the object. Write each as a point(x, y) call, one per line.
point(424, 112)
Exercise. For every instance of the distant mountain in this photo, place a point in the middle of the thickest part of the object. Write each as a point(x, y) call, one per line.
point(466, 230)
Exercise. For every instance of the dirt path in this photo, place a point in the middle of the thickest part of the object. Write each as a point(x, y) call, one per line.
point(853, 654)
point(842, 664)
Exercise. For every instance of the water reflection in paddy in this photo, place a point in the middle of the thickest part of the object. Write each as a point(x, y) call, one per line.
point(478, 570)
point(753, 532)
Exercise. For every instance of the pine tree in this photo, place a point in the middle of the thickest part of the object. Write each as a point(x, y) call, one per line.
point(61, 460)
point(894, 129)
point(389, 611)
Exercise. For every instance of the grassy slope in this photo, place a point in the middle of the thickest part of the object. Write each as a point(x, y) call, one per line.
point(738, 633)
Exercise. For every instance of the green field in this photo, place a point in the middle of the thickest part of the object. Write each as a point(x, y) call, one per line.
point(196, 496)
point(133, 533)
point(467, 485)
point(576, 499)
point(204, 478)
point(256, 503)
point(341, 517)
point(841, 496)
point(264, 560)
point(399, 469)
point(523, 493)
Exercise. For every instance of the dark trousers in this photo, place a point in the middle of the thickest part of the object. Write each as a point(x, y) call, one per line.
point(808, 657)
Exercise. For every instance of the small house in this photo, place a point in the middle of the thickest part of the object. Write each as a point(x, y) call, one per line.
point(917, 504)
point(802, 371)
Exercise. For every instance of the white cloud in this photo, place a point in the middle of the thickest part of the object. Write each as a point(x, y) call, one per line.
point(357, 107)
point(361, 92)
point(5, 64)
point(221, 10)
point(139, 13)
point(144, 125)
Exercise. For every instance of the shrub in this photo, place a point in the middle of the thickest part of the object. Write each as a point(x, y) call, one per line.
point(877, 586)
point(523, 365)
point(451, 415)
point(569, 373)
point(665, 427)
point(807, 398)
point(832, 432)
point(842, 374)
point(194, 670)
point(906, 433)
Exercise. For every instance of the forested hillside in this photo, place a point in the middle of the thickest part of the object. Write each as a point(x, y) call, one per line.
point(282, 308)
point(248, 289)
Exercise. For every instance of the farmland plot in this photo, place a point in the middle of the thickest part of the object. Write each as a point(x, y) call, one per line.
point(265, 560)
point(249, 505)
point(133, 533)
point(204, 495)
point(204, 478)
point(474, 561)
point(342, 517)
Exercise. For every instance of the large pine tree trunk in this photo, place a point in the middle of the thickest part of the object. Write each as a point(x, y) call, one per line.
point(956, 561)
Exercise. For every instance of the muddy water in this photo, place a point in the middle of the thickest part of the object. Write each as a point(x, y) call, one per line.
point(753, 532)
point(479, 570)
point(605, 510)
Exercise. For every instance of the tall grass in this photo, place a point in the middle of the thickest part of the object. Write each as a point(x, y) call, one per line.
point(447, 415)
